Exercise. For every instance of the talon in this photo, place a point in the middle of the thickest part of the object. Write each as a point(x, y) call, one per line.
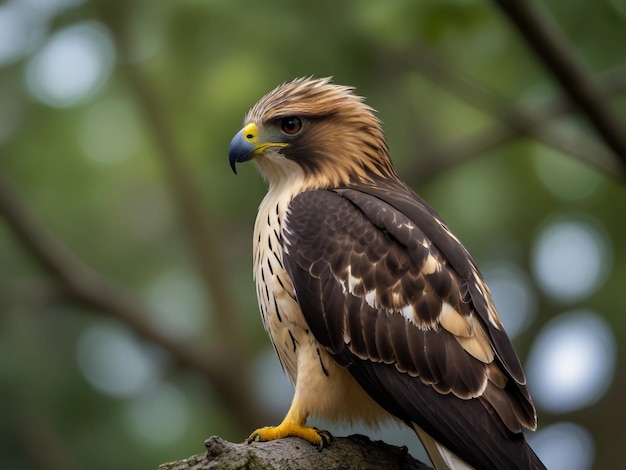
point(256, 437)
point(327, 438)
point(320, 439)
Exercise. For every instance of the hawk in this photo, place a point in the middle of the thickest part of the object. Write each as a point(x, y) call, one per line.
point(373, 305)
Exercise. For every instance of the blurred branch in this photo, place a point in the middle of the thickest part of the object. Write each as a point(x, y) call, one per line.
point(552, 48)
point(517, 121)
point(203, 236)
point(201, 230)
point(87, 287)
point(484, 140)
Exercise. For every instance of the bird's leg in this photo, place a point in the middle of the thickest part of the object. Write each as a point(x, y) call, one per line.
point(294, 425)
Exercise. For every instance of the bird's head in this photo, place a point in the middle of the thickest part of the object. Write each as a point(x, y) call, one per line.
point(314, 131)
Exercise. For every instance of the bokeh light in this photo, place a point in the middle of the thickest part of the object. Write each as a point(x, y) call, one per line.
point(177, 300)
point(72, 66)
point(14, 33)
point(570, 259)
point(24, 24)
point(564, 446)
point(159, 416)
point(513, 296)
point(572, 362)
point(115, 362)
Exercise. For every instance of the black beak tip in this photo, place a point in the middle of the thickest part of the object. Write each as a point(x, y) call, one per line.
point(233, 165)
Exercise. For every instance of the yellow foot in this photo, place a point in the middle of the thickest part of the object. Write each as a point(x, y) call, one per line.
point(319, 439)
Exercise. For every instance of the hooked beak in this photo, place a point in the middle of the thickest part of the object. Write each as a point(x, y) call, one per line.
point(242, 146)
point(248, 143)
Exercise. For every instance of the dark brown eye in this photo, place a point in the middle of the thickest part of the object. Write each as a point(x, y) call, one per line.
point(290, 125)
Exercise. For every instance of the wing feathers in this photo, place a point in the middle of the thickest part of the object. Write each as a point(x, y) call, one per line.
point(376, 290)
point(454, 322)
point(355, 330)
point(478, 345)
point(400, 345)
point(383, 340)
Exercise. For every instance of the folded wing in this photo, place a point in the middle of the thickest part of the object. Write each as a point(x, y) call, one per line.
point(391, 293)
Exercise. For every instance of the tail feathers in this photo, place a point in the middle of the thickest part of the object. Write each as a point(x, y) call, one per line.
point(440, 456)
point(443, 458)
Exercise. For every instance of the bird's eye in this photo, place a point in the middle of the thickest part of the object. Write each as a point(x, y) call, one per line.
point(290, 125)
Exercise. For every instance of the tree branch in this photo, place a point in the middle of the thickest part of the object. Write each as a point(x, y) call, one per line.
point(346, 453)
point(552, 48)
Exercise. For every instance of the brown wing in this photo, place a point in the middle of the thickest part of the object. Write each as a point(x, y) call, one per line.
point(388, 303)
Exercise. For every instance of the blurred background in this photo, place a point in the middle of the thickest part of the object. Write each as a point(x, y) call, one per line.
point(129, 330)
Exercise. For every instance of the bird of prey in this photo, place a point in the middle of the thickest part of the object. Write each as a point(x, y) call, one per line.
point(373, 305)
